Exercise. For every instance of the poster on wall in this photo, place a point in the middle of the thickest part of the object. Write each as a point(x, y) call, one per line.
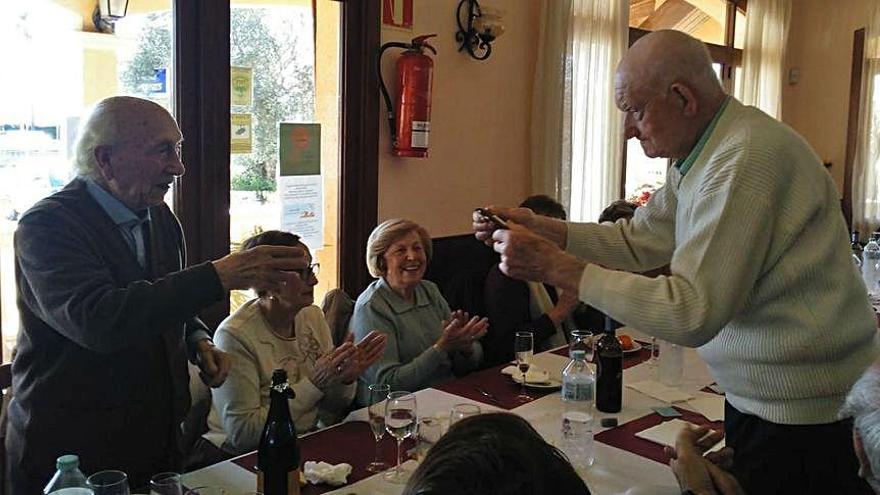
point(241, 83)
point(299, 182)
point(397, 14)
point(241, 134)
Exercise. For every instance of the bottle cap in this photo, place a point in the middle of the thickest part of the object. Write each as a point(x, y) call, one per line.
point(67, 462)
point(579, 354)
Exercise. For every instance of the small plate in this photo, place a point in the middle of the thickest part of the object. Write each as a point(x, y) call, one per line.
point(635, 348)
point(550, 384)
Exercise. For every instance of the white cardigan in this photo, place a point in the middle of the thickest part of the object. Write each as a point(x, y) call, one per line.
point(762, 281)
point(240, 406)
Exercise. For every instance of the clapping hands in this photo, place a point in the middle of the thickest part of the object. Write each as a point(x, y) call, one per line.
point(345, 363)
point(460, 331)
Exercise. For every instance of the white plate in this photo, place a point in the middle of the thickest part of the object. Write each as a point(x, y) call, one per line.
point(635, 348)
point(551, 383)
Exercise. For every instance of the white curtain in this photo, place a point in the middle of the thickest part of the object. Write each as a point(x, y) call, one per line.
point(866, 165)
point(767, 24)
point(577, 131)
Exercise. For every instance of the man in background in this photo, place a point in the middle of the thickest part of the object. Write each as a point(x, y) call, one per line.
point(108, 307)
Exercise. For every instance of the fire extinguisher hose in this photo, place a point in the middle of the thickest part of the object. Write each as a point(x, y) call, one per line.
point(388, 105)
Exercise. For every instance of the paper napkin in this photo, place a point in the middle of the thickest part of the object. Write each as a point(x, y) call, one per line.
point(709, 405)
point(534, 375)
point(323, 472)
point(659, 391)
point(666, 432)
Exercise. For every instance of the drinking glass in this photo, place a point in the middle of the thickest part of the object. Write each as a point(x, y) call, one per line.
point(110, 482)
point(206, 490)
point(401, 419)
point(582, 340)
point(166, 484)
point(655, 353)
point(378, 393)
point(523, 348)
point(461, 411)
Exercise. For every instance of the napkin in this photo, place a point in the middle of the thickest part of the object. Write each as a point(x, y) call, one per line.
point(665, 433)
point(323, 472)
point(709, 405)
point(659, 391)
point(534, 375)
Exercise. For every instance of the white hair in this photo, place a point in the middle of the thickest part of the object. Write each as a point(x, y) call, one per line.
point(103, 126)
point(863, 406)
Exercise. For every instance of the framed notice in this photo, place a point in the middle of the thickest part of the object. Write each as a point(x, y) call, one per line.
point(299, 182)
point(241, 82)
point(397, 14)
point(241, 135)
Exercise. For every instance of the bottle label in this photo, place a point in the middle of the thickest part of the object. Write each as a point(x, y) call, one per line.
point(577, 391)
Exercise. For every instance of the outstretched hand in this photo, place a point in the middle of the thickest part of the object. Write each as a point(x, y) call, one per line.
point(262, 268)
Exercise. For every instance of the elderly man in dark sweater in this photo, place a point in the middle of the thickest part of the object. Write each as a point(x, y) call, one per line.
point(108, 306)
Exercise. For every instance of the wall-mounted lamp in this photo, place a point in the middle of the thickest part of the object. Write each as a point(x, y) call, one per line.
point(107, 12)
point(477, 28)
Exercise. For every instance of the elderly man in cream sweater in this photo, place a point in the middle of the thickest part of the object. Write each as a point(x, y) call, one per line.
point(760, 280)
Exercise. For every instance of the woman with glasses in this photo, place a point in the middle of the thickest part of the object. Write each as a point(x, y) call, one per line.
point(284, 329)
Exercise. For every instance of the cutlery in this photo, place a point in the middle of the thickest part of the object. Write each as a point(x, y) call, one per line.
point(488, 396)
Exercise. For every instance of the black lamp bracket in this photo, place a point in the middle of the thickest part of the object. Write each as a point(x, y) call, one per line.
point(476, 44)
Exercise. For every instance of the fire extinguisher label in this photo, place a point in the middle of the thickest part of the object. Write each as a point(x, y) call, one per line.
point(421, 129)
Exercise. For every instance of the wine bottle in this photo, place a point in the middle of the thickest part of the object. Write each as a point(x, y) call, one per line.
point(609, 369)
point(278, 454)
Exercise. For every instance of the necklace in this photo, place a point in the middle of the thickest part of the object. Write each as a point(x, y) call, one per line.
point(286, 331)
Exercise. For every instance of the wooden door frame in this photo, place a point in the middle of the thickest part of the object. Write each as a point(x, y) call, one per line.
point(852, 125)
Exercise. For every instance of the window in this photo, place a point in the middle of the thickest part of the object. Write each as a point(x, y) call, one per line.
point(719, 23)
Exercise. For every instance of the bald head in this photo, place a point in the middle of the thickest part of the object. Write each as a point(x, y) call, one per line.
point(114, 121)
point(662, 58)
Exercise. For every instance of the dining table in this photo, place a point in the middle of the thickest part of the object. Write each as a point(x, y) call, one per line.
point(624, 463)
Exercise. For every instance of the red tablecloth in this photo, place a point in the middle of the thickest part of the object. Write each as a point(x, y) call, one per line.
point(350, 442)
point(624, 436)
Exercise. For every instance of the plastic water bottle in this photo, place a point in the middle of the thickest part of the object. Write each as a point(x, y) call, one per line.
point(68, 479)
point(870, 259)
point(578, 385)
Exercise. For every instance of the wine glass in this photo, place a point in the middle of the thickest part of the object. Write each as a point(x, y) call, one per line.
point(582, 340)
point(110, 482)
point(523, 348)
point(401, 419)
point(206, 490)
point(655, 353)
point(461, 411)
point(378, 394)
point(166, 484)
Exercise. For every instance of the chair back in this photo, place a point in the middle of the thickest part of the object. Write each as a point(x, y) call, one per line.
point(5, 397)
point(338, 308)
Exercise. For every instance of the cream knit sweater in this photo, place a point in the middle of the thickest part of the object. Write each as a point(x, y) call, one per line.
point(762, 281)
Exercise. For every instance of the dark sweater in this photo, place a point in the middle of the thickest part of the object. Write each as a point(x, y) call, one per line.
point(101, 363)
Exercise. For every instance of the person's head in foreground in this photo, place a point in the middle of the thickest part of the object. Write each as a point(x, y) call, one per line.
point(669, 92)
point(299, 292)
point(863, 406)
point(494, 454)
point(131, 147)
point(398, 251)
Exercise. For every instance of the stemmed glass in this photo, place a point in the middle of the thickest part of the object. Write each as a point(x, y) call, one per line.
point(165, 484)
point(401, 420)
point(655, 353)
point(582, 340)
point(378, 394)
point(461, 411)
point(523, 348)
point(109, 482)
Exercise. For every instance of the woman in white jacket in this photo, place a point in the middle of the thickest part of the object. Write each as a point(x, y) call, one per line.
point(286, 330)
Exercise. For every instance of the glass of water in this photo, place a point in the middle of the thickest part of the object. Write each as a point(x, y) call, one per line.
point(582, 340)
point(401, 421)
point(461, 411)
point(110, 482)
point(166, 484)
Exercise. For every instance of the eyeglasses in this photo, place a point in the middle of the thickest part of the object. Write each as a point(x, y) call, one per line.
point(307, 272)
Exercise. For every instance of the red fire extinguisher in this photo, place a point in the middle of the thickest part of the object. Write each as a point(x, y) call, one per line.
point(410, 119)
